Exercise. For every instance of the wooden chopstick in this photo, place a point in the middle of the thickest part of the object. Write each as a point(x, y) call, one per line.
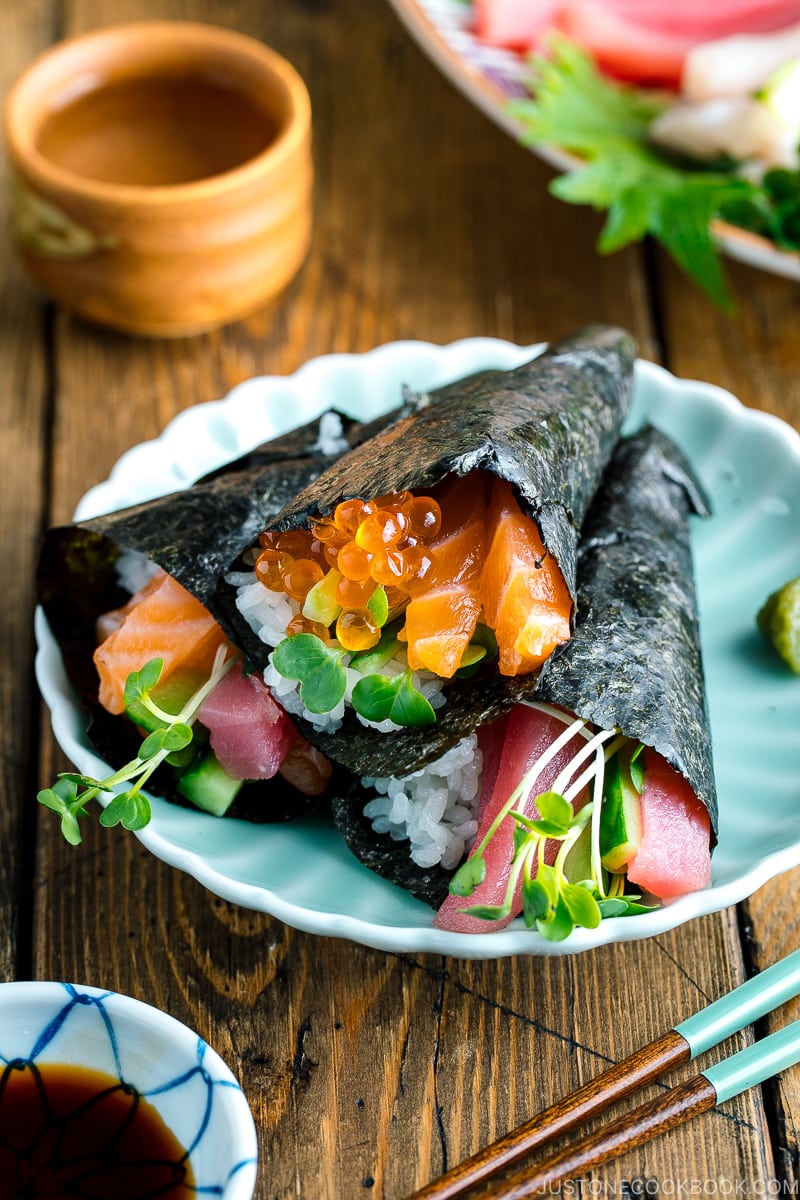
point(629, 1075)
point(688, 1099)
point(731, 1012)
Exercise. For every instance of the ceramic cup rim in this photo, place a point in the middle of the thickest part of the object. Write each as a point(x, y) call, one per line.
point(242, 1143)
point(277, 71)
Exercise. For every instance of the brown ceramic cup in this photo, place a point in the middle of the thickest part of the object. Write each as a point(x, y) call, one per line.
point(161, 174)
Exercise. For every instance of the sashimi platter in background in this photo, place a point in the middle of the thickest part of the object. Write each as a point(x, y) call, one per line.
point(466, 630)
point(677, 119)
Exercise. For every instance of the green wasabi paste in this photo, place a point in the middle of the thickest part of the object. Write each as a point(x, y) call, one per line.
point(779, 621)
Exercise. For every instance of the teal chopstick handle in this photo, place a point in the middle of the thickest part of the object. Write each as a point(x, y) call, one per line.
point(755, 1063)
point(745, 1004)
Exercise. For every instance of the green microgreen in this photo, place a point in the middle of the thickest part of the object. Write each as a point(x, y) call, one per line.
point(393, 698)
point(320, 669)
point(317, 666)
point(369, 662)
point(552, 902)
point(71, 793)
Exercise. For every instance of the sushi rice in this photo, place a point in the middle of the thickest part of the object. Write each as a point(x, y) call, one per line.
point(268, 613)
point(434, 808)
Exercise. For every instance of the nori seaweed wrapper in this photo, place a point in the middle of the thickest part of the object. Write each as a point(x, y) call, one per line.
point(634, 660)
point(193, 535)
point(549, 427)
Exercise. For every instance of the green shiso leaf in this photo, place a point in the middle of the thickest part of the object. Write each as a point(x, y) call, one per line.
point(642, 190)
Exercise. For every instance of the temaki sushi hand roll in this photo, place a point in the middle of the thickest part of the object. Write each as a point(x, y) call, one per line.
point(602, 789)
point(415, 589)
point(598, 789)
point(132, 588)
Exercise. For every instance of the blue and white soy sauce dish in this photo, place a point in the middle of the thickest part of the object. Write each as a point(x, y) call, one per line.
point(102, 1095)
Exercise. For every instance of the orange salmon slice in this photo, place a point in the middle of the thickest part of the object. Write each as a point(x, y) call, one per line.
point(525, 598)
point(162, 620)
point(440, 622)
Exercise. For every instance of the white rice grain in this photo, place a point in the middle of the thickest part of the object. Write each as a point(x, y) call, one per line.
point(433, 808)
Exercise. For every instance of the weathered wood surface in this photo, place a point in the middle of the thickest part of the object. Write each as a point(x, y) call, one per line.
point(368, 1073)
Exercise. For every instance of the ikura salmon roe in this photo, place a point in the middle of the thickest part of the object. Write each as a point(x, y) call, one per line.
point(368, 542)
point(301, 576)
point(354, 593)
point(350, 513)
point(424, 516)
point(389, 567)
point(353, 562)
point(301, 624)
point(419, 569)
point(383, 528)
point(356, 630)
point(271, 567)
point(326, 531)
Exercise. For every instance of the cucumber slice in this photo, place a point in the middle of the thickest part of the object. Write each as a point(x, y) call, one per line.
point(209, 786)
point(171, 695)
point(578, 860)
point(621, 815)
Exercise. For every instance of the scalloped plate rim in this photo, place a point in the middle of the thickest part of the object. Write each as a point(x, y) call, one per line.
point(442, 360)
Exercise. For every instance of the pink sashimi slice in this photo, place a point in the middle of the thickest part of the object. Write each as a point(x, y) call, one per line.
point(624, 49)
point(529, 732)
point(656, 29)
point(674, 857)
point(250, 734)
point(513, 24)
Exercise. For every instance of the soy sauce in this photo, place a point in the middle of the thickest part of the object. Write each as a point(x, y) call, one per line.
point(68, 1133)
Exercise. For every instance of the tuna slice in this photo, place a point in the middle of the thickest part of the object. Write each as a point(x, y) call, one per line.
point(674, 857)
point(250, 734)
point(529, 733)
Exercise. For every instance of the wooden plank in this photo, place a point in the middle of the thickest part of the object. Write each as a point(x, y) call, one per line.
point(369, 1072)
point(756, 355)
point(24, 30)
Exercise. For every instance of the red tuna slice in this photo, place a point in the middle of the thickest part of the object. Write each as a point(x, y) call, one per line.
point(250, 734)
point(529, 733)
point(624, 49)
point(305, 768)
point(515, 24)
point(675, 855)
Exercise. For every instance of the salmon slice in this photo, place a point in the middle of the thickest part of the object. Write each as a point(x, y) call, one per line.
point(162, 620)
point(441, 621)
point(525, 599)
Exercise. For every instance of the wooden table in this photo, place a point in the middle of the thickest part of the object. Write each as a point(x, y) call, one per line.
point(368, 1073)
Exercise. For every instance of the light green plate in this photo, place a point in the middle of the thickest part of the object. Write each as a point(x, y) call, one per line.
point(302, 872)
